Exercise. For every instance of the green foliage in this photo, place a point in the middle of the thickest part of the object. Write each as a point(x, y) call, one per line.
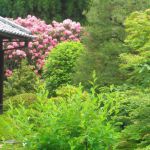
point(18, 122)
point(5, 130)
point(74, 123)
point(64, 92)
point(146, 148)
point(105, 40)
point(5, 7)
point(131, 116)
point(136, 63)
point(78, 120)
point(25, 99)
point(60, 65)
point(46, 9)
point(133, 119)
point(23, 80)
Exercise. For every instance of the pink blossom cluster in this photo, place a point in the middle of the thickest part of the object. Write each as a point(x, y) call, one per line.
point(8, 73)
point(47, 37)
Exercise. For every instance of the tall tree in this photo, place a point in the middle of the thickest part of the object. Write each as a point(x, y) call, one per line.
point(105, 40)
point(46, 9)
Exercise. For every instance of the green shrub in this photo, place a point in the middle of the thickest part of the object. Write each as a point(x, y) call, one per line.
point(66, 91)
point(136, 62)
point(76, 122)
point(5, 128)
point(146, 148)
point(23, 80)
point(25, 99)
point(133, 118)
point(60, 65)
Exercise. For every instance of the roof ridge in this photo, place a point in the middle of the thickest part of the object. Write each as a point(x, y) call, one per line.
point(13, 24)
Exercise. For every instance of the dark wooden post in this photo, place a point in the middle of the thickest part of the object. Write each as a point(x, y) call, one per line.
point(1, 74)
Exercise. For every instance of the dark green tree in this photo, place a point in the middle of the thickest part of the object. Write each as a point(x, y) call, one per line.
point(5, 7)
point(105, 40)
point(46, 9)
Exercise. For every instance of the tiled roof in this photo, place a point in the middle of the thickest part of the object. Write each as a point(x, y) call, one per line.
point(10, 29)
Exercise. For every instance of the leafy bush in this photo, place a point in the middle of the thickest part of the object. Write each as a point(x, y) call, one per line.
point(66, 91)
point(47, 37)
point(60, 65)
point(5, 130)
point(146, 148)
point(132, 116)
point(135, 108)
point(136, 63)
point(23, 80)
point(75, 121)
point(133, 119)
point(25, 99)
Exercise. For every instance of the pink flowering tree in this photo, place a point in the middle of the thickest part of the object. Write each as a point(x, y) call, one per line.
point(47, 37)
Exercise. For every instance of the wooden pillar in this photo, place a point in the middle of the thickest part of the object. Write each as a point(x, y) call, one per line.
point(1, 74)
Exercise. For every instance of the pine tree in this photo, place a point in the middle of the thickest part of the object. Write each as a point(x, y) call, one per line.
point(105, 40)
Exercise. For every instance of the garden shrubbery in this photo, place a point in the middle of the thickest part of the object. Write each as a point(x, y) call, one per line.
point(136, 62)
point(25, 99)
point(134, 118)
point(60, 65)
point(44, 109)
point(23, 80)
point(77, 121)
point(47, 36)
